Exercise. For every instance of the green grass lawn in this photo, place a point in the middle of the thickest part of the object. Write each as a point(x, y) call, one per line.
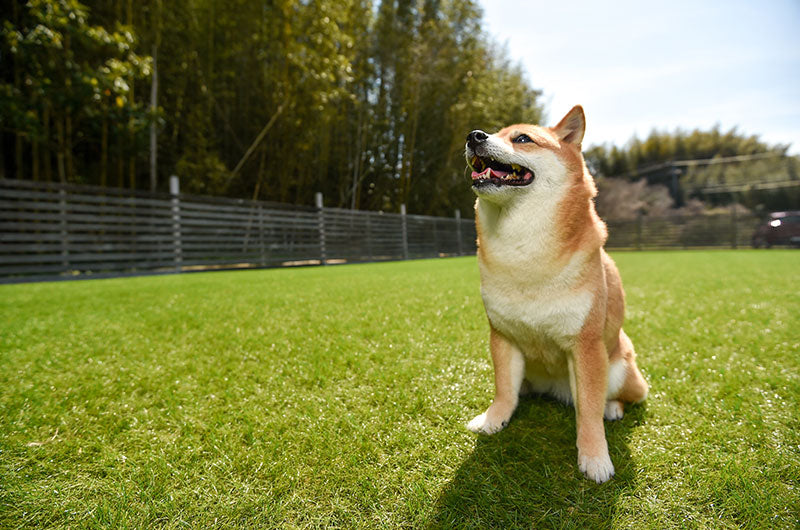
point(338, 397)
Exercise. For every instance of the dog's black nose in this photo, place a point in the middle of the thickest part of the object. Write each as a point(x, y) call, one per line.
point(475, 138)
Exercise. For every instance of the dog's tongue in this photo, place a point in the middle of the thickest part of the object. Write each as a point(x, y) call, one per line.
point(488, 173)
point(483, 175)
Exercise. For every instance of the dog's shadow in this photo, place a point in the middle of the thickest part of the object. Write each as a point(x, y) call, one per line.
point(527, 476)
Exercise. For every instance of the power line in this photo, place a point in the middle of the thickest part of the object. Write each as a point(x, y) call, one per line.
point(700, 162)
point(750, 186)
point(725, 159)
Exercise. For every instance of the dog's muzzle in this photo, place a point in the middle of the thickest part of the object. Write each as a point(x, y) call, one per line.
point(488, 171)
point(475, 138)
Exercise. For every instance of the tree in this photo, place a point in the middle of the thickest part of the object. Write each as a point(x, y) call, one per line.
point(71, 89)
point(699, 161)
point(269, 99)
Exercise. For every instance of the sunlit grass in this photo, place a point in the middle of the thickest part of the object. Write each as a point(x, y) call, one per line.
point(337, 397)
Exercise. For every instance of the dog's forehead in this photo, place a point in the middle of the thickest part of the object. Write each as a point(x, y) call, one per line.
point(540, 135)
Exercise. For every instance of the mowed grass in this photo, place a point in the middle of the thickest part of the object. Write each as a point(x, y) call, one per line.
point(337, 397)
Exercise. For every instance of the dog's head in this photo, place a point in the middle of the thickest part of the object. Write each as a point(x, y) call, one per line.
point(521, 160)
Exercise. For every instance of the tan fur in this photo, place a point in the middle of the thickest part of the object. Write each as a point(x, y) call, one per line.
point(553, 296)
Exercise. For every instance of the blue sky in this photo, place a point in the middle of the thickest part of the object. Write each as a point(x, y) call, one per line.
point(638, 65)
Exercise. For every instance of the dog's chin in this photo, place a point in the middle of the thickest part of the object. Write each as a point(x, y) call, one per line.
point(498, 195)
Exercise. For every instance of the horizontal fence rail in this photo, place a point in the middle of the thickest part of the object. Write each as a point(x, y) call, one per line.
point(67, 230)
point(690, 231)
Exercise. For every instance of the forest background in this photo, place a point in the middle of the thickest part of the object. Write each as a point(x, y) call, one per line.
point(366, 102)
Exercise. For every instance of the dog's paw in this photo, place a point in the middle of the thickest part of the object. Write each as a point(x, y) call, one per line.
point(597, 468)
point(614, 410)
point(483, 424)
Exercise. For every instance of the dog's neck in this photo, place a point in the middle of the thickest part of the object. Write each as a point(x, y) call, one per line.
point(516, 234)
point(539, 233)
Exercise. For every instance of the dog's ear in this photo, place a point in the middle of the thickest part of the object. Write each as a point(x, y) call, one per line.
point(572, 126)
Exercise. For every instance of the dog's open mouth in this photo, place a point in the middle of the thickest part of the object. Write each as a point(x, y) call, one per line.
point(486, 171)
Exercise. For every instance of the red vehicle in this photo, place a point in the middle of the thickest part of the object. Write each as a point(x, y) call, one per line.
point(781, 228)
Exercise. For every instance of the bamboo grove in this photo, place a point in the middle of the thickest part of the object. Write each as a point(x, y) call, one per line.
point(368, 103)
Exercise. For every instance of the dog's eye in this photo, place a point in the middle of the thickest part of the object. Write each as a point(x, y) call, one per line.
point(522, 139)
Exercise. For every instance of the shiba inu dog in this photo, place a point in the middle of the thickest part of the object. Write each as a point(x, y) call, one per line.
point(553, 296)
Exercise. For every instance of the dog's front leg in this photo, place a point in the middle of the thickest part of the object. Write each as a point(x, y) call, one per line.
point(588, 369)
point(509, 371)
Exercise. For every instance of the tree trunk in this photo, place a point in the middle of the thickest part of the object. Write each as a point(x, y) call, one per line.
point(68, 145)
point(257, 141)
point(153, 132)
point(260, 177)
point(210, 78)
point(120, 160)
point(355, 161)
point(47, 159)
point(65, 133)
point(18, 155)
point(411, 143)
point(62, 177)
point(2, 158)
point(104, 149)
point(17, 85)
point(35, 157)
point(154, 99)
point(359, 172)
point(131, 131)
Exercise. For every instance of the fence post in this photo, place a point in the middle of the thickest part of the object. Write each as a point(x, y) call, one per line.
point(261, 236)
point(639, 221)
point(436, 242)
point(62, 209)
point(369, 235)
point(458, 231)
point(405, 230)
point(734, 235)
point(175, 190)
point(321, 227)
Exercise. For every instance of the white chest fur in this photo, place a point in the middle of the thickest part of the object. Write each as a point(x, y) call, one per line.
point(537, 312)
point(532, 297)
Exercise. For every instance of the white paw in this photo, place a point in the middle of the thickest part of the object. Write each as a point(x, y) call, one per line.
point(614, 410)
point(482, 424)
point(598, 468)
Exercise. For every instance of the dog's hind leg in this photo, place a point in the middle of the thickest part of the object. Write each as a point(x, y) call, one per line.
point(526, 388)
point(509, 371)
point(634, 388)
point(617, 374)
